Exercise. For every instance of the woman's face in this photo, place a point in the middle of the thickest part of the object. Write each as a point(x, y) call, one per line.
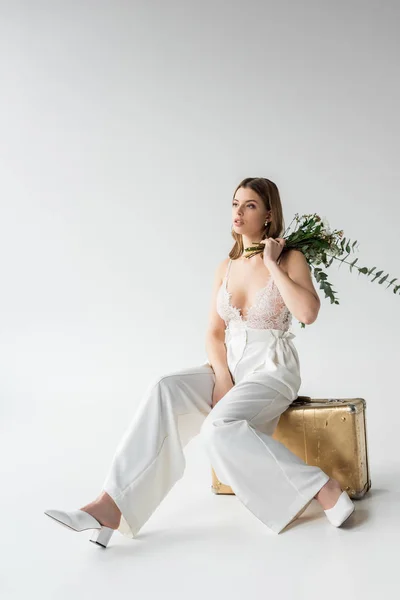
point(249, 209)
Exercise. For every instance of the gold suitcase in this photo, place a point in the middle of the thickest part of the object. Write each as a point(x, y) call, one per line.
point(330, 433)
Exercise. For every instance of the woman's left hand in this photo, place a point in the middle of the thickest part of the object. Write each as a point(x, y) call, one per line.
point(272, 249)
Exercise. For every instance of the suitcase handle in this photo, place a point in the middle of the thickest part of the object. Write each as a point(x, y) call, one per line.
point(302, 399)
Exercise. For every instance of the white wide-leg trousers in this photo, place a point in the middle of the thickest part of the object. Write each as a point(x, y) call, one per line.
point(271, 481)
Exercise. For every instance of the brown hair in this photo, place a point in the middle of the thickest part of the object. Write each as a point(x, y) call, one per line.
point(269, 194)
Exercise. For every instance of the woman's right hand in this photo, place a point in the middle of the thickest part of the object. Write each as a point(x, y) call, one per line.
point(223, 383)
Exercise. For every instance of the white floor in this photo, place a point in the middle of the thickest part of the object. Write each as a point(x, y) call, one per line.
point(195, 545)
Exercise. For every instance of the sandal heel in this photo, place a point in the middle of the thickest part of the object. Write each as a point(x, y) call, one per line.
point(102, 536)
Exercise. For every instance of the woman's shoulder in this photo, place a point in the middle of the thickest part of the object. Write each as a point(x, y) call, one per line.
point(289, 256)
point(223, 265)
point(221, 269)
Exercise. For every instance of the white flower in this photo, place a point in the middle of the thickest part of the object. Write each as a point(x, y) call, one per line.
point(326, 225)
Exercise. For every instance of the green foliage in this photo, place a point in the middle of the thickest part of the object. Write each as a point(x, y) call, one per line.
point(320, 245)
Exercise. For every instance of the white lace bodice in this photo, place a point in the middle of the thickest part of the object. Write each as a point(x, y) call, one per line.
point(268, 311)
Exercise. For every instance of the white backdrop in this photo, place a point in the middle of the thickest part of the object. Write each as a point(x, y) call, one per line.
point(125, 128)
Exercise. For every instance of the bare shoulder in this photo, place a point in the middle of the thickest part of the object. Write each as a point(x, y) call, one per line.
point(295, 265)
point(222, 266)
point(292, 259)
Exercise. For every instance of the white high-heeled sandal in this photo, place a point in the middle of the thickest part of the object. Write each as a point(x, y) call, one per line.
point(80, 520)
point(341, 511)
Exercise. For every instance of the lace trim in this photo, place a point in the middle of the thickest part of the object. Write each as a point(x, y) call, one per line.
point(267, 312)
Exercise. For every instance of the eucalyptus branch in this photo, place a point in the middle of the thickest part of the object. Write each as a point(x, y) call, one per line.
point(320, 245)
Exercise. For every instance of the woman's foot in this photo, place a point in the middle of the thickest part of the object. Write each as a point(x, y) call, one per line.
point(329, 494)
point(104, 510)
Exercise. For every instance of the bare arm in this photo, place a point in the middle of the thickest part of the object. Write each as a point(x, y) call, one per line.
point(215, 335)
point(296, 287)
point(216, 352)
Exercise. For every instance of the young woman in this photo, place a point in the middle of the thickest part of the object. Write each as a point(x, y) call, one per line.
point(234, 400)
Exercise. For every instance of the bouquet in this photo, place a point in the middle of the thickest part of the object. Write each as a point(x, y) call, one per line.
point(313, 236)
